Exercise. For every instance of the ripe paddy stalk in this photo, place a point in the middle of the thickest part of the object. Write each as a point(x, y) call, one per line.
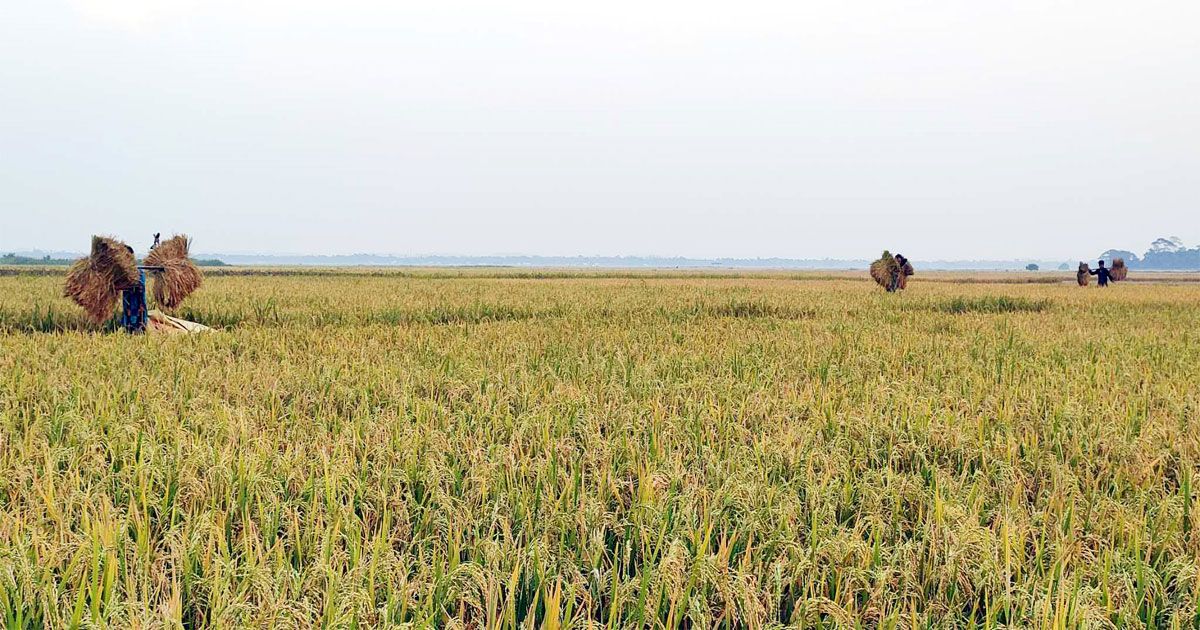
point(643, 450)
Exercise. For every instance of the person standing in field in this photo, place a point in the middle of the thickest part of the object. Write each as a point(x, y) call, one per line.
point(906, 270)
point(891, 271)
point(900, 275)
point(133, 304)
point(1102, 274)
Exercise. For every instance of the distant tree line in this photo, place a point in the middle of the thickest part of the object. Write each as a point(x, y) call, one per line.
point(13, 259)
point(1179, 259)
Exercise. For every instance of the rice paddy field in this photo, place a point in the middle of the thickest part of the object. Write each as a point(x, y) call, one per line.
point(503, 449)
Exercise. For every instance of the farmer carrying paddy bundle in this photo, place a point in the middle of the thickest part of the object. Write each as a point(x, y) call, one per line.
point(134, 313)
point(891, 272)
point(1102, 274)
point(111, 272)
point(1082, 275)
point(902, 274)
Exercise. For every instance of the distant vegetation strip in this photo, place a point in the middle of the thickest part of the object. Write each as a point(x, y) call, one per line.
point(13, 259)
point(46, 261)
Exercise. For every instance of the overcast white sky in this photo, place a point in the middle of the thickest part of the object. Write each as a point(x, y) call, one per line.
point(950, 129)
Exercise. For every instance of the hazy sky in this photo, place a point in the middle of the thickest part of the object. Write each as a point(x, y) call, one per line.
point(952, 129)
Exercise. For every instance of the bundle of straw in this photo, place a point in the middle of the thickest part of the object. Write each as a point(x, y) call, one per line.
point(884, 269)
point(1081, 276)
point(179, 277)
point(1119, 270)
point(95, 282)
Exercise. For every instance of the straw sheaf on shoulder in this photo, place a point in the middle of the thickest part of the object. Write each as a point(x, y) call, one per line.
point(1119, 270)
point(884, 269)
point(179, 277)
point(95, 283)
point(174, 248)
point(115, 260)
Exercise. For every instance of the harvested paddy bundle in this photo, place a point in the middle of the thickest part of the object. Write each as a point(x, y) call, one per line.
point(1119, 270)
point(174, 248)
point(1081, 276)
point(177, 280)
point(96, 282)
point(885, 269)
point(179, 276)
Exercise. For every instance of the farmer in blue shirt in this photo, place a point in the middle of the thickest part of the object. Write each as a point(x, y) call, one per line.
point(1102, 274)
point(133, 304)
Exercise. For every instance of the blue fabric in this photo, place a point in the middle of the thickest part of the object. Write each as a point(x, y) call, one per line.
point(133, 306)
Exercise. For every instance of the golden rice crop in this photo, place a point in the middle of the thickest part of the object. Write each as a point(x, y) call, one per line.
point(534, 449)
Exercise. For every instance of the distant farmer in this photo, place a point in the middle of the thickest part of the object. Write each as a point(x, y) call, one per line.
point(1102, 274)
point(891, 272)
point(903, 270)
point(133, 304)
point(897, 273)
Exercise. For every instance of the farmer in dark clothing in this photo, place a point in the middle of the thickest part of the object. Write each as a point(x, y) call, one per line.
point(898, 273)
point(133, 304)
point(1101, 274)
point(904, 269)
